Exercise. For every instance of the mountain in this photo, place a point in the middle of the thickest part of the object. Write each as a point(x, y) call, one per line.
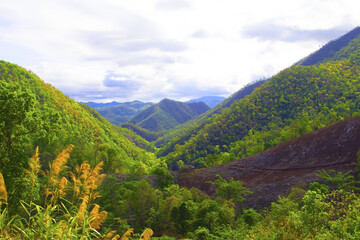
point(45, 117)
point(275, 171)
point(122, 112)
point(211, 101)
point(167, 114)
point(296, 101)
point(99, 105)
point(183, 132)
point(330, 51)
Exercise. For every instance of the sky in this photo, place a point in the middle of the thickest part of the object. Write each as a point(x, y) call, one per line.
point(117, 50)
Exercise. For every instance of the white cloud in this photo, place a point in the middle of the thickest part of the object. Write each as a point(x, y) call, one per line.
point(164, 48)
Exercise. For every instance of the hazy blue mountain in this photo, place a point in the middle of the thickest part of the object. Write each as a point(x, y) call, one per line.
point(97, 105)
point(211, 101)
point(120, 112)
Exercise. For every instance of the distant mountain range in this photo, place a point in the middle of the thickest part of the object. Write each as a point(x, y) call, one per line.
point(119, 113)
point(99, 105)
point(211, 101)
point(167, 114)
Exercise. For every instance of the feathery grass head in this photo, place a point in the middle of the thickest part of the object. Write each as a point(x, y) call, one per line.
point(96, 217)
point(126, 234)
point(3, 193)
point(61, 191)
point(59, 163)
point(146, 235)
point(83, 208)
point(111, 235)
point(56, 185)
point(86, 181)
point(34, 167)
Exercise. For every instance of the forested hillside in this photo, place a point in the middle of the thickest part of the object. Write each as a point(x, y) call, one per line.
point(192, 126)
point(295, 101)
point(37, 114)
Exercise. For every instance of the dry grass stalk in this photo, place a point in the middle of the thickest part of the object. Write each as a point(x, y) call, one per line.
point(110, 235)
point(3, 192)
point(96, 217)
point(126, 234)
point(86, 181)
point(83, 208)
point(59, 163)
point(62, 188)
point(56, 186)
point(146, 235)
point(34, 168)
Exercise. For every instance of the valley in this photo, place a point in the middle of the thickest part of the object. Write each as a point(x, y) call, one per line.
point(278, 159)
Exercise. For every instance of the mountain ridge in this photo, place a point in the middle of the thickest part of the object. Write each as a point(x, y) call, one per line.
point(297, 95)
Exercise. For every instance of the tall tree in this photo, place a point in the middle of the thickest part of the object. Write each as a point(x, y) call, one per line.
point(18, 121)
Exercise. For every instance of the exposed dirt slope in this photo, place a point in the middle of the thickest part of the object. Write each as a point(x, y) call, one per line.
point(276, 170)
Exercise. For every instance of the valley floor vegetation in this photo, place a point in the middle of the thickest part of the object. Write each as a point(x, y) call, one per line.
point(64, 202)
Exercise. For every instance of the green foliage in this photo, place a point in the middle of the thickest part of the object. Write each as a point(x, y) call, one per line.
point(163, 177)
point(339, 180)
point(20, 124)
point(250, 216)
point(319, 216)
point(230, 190)
point(320, 188)
point(181, 215)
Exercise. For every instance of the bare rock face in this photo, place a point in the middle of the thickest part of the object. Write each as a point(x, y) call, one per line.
point(274, 171)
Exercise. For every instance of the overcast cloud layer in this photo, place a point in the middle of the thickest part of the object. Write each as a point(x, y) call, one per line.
point(105, 50)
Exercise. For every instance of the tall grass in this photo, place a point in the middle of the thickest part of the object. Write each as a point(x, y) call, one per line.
point(60, 204)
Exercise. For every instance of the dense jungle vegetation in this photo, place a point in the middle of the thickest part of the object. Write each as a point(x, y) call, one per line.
point(81, 203)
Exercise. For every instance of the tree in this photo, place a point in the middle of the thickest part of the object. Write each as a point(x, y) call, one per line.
point(18, 120)
point(230, 190)
point(339, 180)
